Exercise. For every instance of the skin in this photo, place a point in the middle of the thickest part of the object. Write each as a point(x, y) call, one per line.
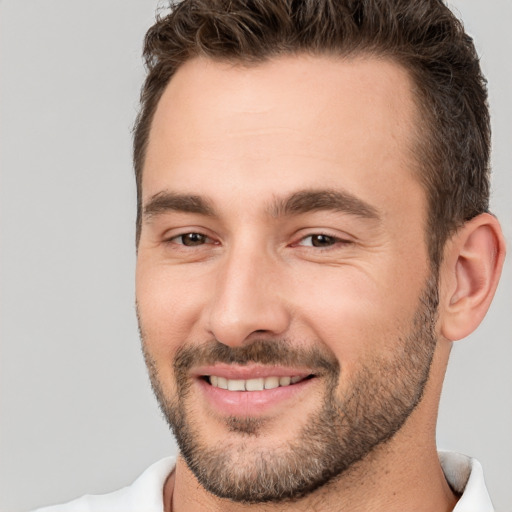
point(240, 137)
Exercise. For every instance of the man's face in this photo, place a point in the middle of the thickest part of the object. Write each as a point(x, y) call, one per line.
point(282, 255)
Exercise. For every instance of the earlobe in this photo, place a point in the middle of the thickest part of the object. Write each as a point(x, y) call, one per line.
point(471, 270)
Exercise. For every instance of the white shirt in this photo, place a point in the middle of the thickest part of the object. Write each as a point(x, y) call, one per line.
point(464, 474)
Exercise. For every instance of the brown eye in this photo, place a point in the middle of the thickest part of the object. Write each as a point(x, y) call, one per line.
point(318, 241)
point(322, 240)
point(191, 239)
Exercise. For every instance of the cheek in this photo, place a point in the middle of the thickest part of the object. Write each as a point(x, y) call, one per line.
point(355, 314)
point(168, 307)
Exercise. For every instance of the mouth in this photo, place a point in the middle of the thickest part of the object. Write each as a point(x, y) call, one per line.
point(254, 384)
point(252, 390)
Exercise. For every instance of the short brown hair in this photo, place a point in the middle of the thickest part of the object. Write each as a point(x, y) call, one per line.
point(423, 36)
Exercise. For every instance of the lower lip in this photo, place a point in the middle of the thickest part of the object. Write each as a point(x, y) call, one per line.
point(250, 403)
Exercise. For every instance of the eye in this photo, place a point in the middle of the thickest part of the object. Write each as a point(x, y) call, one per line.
point(190, 239)
point(319, 240)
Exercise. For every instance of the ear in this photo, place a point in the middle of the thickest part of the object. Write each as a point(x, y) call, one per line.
point(470, 272)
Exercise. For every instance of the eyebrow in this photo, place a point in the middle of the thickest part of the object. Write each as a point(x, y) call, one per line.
point(305, 201)
point(164, 202)
point(300, 202)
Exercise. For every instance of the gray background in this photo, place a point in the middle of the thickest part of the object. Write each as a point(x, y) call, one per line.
point(77, 414)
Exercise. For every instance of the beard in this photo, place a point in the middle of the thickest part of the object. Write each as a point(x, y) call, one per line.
point(341, 432)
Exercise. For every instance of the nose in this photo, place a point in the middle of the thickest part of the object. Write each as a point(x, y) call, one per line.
point(249, 301)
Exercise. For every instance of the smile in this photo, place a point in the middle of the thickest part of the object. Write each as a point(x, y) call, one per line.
point(256, 384)
point(252, 390)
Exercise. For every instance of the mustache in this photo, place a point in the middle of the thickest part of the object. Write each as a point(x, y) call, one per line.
point(262, 351)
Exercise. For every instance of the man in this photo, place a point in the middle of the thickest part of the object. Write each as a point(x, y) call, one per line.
point(313, 234)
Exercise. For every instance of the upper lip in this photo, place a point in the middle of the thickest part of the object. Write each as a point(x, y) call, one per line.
point(250, 371)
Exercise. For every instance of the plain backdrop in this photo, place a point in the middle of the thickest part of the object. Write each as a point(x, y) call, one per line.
point(76, 411)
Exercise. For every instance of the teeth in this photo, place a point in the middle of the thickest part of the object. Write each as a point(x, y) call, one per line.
point(255, 384)
point(236, 385)
point(285, 381)
point(271, 382)
point(258, 384)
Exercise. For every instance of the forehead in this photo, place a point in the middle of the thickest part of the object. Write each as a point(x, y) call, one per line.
point(294, 121)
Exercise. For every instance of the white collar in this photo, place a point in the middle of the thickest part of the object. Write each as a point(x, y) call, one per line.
point(465, 475)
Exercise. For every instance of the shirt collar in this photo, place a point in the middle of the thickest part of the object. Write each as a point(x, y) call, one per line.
point(465, 476)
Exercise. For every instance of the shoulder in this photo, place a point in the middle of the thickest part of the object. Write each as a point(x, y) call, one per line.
point(146, 493)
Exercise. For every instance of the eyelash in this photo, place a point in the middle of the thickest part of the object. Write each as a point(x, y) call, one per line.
point(173, 240)
point(332, 240)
